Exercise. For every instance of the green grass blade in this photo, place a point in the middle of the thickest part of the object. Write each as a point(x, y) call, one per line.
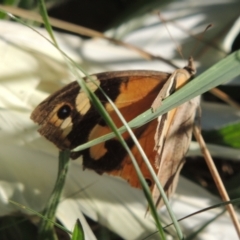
point(105, 115)
point(40, 216)
point(221, 72)
point(46, 21)
point(207, 223)
point(46, 228)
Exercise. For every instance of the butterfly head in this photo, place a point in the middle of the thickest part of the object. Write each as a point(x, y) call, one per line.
point(191, 67)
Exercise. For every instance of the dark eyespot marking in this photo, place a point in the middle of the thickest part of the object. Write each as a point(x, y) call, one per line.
point(149, 182)
point(64, 112)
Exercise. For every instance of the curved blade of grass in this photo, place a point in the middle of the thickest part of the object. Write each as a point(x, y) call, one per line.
point(105, 115)
point(159, 186)
point(95, 101)
point(221, 72)
point(46, 21)
point(200, 229)
point(153, 174)
point(232, 201)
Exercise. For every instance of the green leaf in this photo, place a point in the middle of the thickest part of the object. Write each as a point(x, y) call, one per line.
point(78, 233)
point(226, 136)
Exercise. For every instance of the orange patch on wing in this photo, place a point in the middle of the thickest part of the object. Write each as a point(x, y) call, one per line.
point(136, 96)
point(135, 90)
point(97, 151)
point(127, 171)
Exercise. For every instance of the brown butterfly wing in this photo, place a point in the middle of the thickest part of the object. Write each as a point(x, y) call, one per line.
point(46, 114)
point(68, 119)
point(173, 135)
point(171, 157)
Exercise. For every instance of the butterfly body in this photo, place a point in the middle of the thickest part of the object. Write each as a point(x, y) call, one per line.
point(68, 119)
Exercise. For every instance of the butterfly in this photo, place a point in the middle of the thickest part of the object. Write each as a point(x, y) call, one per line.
point(68, 119)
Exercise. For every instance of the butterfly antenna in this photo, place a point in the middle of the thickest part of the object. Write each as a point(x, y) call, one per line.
point(178, 48)
point(200, 39)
